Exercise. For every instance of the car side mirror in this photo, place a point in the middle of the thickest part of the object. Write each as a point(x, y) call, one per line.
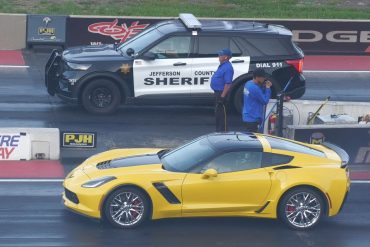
point(209, 173)
point(148, 56)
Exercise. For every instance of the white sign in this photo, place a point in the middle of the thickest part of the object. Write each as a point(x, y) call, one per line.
point(15, 146)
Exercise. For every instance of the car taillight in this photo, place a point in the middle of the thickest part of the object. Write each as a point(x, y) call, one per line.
point(297, 64)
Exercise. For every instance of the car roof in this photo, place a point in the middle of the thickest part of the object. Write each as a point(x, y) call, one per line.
point(229, 141)
point(240, 26)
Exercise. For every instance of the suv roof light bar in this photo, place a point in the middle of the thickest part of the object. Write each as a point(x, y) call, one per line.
point(190, 21)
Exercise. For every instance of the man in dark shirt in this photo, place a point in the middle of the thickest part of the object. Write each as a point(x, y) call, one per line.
point(220, 84)
point(257, 93)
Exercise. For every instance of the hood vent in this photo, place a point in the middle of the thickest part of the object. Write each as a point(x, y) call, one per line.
point(138, 160)
point(103, 165)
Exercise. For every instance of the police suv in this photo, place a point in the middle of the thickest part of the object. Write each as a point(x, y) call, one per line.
point(173, 62)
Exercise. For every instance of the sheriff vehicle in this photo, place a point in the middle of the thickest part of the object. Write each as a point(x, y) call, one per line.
point(173, 62)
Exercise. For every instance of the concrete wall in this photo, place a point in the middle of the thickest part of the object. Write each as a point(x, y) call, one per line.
point(44, 141)
point(12, 31)
point(301, 109)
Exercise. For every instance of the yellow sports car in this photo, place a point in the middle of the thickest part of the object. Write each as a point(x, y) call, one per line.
point(220, 174)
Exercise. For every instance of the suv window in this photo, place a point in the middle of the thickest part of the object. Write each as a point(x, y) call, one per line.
point(173, 47)
point(270, 47)
point(271, 159)
point(209, 46)
point(277, 143)
point(235, 161)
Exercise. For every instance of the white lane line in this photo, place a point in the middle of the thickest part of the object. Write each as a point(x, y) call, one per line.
point(336, 71)
point(14, 66)
point(360, 181)
point(57, 180)
point(26, 180)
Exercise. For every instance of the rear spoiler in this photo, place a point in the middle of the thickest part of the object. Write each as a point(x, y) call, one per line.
point(342, 154)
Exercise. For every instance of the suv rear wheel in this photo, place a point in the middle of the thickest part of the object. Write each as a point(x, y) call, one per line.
point(101, 96)
point(238, 99)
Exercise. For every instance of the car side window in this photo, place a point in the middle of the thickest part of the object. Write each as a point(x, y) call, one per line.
point(271, 159)
point(235, 161)
point(209, 46)
point(173, 47)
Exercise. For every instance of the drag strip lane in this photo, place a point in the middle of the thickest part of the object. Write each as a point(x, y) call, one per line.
point(31, 214)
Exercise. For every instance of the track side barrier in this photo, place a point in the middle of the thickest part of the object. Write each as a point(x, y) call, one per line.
point(29, 144)
point(13, 31)
point(353, 138)
point(301, 109)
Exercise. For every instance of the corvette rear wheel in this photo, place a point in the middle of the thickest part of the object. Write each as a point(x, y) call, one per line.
point(126, 208)
point(301, 208)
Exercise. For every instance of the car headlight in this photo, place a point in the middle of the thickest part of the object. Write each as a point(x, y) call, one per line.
point(98, 182)
point(78, 66)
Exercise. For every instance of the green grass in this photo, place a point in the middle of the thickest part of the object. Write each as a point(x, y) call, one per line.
point(326, 9)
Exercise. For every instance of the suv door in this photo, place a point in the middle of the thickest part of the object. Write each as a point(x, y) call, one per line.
point(241, 186)
point(206, 60)
point(170, 70)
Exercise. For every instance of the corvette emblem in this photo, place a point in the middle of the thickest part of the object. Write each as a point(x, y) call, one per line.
point(125, 68)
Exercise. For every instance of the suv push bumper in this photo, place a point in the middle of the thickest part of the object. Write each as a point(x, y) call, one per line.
point(53, 78)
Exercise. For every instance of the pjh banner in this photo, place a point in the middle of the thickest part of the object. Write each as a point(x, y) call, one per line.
point(313, 36)
point(15, 146)
point(97, 31)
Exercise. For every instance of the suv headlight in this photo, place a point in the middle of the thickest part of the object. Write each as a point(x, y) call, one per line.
point(98, 182)
point(78, 66)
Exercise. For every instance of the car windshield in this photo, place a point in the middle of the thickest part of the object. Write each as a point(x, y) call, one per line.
point(189, 155)
point(141, 41)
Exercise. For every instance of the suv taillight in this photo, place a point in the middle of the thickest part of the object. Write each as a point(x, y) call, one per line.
point(297, 64)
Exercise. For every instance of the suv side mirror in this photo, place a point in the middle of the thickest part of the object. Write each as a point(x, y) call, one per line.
point(148, 56)
point(209, 173)
point(130, 52)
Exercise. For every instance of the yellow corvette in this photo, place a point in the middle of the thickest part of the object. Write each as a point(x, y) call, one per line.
point(220, 174)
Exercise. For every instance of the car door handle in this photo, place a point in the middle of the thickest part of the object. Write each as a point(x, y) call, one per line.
point(179, 64)
point(238, 61)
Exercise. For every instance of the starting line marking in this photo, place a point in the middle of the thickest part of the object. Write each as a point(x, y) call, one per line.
point(14, 66)
point(336, 71)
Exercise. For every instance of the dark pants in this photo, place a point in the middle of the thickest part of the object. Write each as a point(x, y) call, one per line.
point(252, 126)
point(220, 113)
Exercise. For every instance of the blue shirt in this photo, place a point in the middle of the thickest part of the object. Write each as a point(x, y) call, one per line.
point(255, 98)
point(223, 75)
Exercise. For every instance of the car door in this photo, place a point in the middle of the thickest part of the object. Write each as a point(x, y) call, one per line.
point(206, 61)
point(241, 186)
point(170, 70)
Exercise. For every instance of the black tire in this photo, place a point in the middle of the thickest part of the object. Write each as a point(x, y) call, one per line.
point(296, 215)
point(239, 96)
point(101, 96)
point(110, 210)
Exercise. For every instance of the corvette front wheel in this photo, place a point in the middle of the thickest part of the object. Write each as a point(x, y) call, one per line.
point(301, 208)
point(126, 208)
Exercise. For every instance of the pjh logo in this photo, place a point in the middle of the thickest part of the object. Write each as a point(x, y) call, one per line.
point(118, 32)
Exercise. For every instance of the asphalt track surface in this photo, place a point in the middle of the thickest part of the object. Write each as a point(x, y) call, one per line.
point(31, 214)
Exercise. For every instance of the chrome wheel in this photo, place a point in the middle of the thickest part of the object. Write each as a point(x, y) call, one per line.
point(126, 208)
point(303, 209)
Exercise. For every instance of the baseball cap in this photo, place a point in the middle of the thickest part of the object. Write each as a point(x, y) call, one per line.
point(225, 52)
point(259, 73)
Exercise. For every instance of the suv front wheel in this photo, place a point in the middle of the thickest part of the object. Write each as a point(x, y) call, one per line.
point(101, 96)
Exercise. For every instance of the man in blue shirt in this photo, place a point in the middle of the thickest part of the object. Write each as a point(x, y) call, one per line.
point(220, 83)
point(257, 93)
